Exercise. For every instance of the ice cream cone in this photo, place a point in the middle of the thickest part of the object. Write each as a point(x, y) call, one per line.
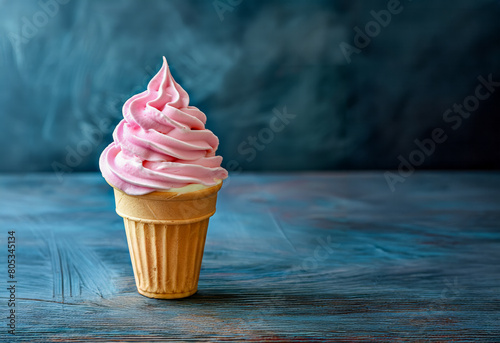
point(162, 144)
point(166, 234)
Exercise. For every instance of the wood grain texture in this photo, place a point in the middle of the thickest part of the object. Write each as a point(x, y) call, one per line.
point(288, 257)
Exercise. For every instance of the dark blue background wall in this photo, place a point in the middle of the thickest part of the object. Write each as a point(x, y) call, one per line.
point(67, 67)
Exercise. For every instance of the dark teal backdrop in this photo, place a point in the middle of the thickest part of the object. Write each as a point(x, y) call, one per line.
point(352, 84)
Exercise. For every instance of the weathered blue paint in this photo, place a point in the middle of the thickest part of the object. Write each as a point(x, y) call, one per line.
point(293, 257)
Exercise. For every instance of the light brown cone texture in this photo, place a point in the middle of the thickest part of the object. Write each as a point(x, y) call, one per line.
point(166, 258)
point(166, 237)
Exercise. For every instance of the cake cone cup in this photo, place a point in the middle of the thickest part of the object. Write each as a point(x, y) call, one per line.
point(166, 234)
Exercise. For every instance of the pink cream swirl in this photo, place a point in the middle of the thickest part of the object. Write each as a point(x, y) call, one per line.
point(162, 142)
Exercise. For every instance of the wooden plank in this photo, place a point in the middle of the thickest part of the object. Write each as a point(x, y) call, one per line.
point(295, 257)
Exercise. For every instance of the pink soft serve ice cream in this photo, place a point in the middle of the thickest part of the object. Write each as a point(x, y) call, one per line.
point(162, 143)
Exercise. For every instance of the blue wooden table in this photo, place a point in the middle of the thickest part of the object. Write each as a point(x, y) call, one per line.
point(288, 257)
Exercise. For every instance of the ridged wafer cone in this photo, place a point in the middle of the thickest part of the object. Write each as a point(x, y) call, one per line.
point(166, 234)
